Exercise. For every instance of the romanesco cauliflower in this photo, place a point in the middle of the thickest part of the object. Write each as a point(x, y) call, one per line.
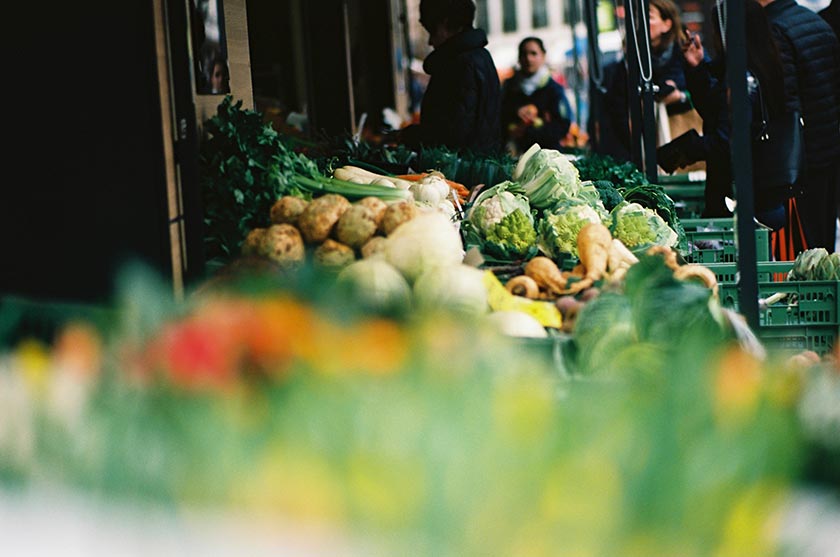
point(559, 228)
point(639, 227)
point(501, 217)
point(515, 232)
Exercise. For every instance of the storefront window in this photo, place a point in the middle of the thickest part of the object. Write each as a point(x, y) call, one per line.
point(481, 19)
point(539, 17)
point(509, 16)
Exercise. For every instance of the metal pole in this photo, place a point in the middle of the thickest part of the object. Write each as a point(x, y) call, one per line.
point(648, 111)
point(736, 69)
point(596, 72)
point(633, 80)
point(574, 19)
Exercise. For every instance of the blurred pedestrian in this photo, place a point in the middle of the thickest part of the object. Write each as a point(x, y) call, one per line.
point(706, 80)
point(534, 106)
point(460, 107)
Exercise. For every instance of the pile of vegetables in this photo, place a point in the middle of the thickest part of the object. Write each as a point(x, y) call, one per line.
point(624, 179)
point(604, 263)
point(245, 166)
point(336, 231)
point(559, 205)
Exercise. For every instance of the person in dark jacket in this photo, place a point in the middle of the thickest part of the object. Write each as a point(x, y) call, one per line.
point(706, 80)
point(460, 107)
point(667, 73)
point(534, 106)
point(811, 55)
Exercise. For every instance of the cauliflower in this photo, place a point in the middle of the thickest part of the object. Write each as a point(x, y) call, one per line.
point(547, 176)
point(515, 232)
point(639, 228)
point(502, 219)
point(559, 228)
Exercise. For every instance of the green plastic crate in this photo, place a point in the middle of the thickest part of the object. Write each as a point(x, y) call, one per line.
point(768, 271)
point(688, 197)
point(721, 223)
point(794, 315)
point(718, 246)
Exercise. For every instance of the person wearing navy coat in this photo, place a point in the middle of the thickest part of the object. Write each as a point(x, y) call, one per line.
point(460, 107)
point(811, 55)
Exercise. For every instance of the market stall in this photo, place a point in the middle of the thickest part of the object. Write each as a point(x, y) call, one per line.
point(398, 360)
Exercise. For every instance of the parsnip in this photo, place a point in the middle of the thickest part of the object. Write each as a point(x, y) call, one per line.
point(699, 273)
point(523, 285)
point(546, 274)
point(594, 241)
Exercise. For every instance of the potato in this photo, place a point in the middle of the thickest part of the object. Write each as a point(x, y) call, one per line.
point(253, 242)
point(376, 205)
point(374, 246)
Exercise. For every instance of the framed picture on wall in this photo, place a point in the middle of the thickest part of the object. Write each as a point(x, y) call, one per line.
point(209, 46)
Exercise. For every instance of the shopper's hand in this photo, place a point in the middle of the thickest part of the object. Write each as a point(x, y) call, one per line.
point(674, 96)
point(527, 114)
point(692, 49)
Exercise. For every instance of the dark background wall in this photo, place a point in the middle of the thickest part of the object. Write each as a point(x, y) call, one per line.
point(85, 191)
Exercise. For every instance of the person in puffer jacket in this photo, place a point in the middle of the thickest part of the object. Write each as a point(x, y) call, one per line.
point(811, 55)
point(462, 102)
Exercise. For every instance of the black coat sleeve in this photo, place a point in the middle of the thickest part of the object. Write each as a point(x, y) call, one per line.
point(788, 57)
point(708, 94)
point(456, 119)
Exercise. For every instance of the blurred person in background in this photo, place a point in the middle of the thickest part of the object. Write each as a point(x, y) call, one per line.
point(666, 36)
point(460, 107)
point(811, 55)
point(534, 106)
point(831, 15)
point(706, 80)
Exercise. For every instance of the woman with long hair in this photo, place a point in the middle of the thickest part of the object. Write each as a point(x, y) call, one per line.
point(666, 36)
point(706, 82)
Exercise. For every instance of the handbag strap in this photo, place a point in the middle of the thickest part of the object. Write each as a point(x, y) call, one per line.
point(764, 117)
